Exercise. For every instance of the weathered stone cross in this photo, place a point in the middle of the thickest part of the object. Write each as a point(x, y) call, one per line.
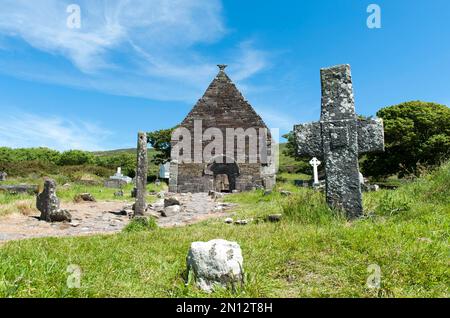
point(315, 163)
point(339, 137)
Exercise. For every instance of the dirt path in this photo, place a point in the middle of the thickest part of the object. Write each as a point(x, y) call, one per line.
point(108, 217)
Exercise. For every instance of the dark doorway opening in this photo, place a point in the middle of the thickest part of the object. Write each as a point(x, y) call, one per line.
point(225, 175)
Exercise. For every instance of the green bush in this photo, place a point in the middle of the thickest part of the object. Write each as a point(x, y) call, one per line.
point(127, 161)
point(75, 157)
point(417, 136)
point(28, 168)
point(8, 155)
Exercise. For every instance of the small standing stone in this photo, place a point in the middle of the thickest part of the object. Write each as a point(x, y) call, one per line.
point(49, 205)
point(217, 262)
point(3, 176)
point(141, 175)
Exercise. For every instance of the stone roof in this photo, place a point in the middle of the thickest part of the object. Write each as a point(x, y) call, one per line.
point(223, 106)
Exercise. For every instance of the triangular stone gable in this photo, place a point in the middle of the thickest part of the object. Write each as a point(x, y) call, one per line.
point(223, 106)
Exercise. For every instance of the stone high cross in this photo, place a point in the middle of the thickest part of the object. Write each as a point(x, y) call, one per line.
point(315, 163)
point(339, 137)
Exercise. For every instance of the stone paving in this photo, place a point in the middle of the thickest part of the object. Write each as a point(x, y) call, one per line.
point(109, 217)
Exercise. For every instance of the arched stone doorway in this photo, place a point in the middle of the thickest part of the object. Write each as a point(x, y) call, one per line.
point(224, 173)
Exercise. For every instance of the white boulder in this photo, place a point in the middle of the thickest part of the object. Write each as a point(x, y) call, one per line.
point(217, 262)
point(171, 210)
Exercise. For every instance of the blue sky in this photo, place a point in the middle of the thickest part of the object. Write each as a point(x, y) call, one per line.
point(142, 64)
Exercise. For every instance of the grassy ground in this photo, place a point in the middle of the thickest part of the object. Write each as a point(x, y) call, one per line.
point(25, 203)
point(311, 253)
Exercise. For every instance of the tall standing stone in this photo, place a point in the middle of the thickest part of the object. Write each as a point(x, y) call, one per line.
point(339, 138)
point(141, 175)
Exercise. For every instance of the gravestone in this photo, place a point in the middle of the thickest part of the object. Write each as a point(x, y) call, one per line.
point(118, 180)
point(315, 163)
point(48, 204)
point(339, 137)
point(141, 175)
point(3, 176)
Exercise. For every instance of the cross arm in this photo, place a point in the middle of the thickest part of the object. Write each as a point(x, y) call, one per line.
point(308, 139)
point(370, 135)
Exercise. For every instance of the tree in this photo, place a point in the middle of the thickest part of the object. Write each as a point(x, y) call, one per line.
point(160, 141)
point(416, 134)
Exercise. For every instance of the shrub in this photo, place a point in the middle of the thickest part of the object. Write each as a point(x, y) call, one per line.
point(75, 157)
point(417, 136)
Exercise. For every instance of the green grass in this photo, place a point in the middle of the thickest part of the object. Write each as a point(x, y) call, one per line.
point(311, 253)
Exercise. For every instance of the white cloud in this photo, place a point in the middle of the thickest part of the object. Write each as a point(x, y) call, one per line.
point(27, 130)
point(145, 48)
point(249, 61)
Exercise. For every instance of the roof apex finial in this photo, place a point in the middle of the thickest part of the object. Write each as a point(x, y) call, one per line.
point(222, 67)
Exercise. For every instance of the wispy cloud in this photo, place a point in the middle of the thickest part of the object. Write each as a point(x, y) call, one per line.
point(145, 48)
point(276, 119)
point(28, 130)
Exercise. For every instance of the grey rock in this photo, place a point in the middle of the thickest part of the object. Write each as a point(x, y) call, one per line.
point(171, 210)
point(119, 193)
point(114, 183)
point(84, 197)
point(20, 189)
point(49, 205)
point(215, 263)
point(171, 201)
point(160, 195)
point(228, 221)
point(285, 193)
point(339, 138)
point(3, 176)
point(274, 218)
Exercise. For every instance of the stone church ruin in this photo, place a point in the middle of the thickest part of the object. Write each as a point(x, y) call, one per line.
point(236, 141)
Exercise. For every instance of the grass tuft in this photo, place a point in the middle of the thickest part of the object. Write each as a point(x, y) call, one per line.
point(141, 224)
